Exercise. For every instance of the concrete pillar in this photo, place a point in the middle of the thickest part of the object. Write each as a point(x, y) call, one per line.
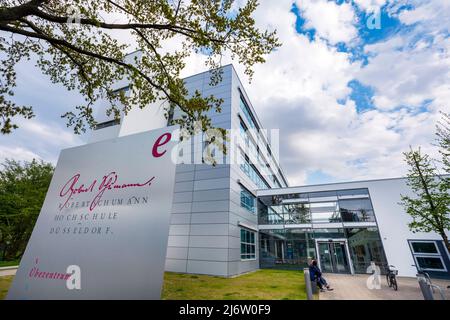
point(309, 293)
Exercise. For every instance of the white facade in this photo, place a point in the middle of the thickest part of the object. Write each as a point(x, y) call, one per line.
point(391, 219)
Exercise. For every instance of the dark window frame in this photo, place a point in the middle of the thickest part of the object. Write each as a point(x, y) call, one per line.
point(248, 256)
point(107, 124)
point(437, 255)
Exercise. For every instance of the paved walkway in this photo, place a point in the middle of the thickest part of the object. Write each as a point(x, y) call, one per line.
point(8, 271)
point(353, 287)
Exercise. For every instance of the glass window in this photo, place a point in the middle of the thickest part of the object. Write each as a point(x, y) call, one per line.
point(298, 213)
point(424, 247)
point(355, 204)
point(286, 248)
point(248, 244)
point(322, 194)
point(430, 263)
point(247, 200)
point(106, 124)
point(329, 233)
point(356, 210)
point(276, 214)
point(251, 149)
point(252, 173)
point(365, 246)
point(427, 255)
point(247, 113)
point(244, 135)
point(353, 193)
point(325, 212)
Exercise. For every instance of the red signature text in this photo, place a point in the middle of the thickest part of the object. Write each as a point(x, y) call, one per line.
point(109, 182)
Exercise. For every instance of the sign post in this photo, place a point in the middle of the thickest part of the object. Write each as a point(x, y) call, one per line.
point(103, 228)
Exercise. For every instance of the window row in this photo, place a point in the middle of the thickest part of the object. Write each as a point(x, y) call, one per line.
point(252, 173)
point(247, 113)
point(427, 255)
point(255, 152)
point(352, 210)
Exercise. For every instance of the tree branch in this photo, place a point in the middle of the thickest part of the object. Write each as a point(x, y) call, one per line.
point(424, 184)
point(119, 6)
point(55, 41)
point(32, 9)
point(113, 26)
point(8, 14)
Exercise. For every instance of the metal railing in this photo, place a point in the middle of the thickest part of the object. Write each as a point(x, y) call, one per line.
point(427, 287)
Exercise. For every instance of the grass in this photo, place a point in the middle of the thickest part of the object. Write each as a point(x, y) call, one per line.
point(5, 282)
point(258, 285)
point(9, 263)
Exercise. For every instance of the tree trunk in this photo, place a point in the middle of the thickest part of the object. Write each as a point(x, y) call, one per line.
point(445, 238)
point(4, 252)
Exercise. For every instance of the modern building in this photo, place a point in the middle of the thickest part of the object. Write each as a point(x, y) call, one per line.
point(238, 216)
point(214, 220)
point(345, 226)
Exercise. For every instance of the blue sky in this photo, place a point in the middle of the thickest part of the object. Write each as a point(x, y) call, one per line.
point(348, 99)
point(362, 95)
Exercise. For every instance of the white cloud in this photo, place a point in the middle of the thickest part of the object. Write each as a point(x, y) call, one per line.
point(16, 153)
point(297, 90)
point(432, 15)
point(53, 135)
point(39, 140)
point(370, 5)
point(333, 22)
point(405, 74)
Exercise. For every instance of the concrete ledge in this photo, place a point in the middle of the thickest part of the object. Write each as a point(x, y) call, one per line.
point(9, 268)
point(8, 271)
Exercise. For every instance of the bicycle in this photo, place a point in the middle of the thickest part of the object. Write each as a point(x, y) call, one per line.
point(391, 277)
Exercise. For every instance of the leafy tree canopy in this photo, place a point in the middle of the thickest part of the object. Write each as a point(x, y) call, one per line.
point(429, 207)
point(443, 139)
point(23, 187)
point(76, 44)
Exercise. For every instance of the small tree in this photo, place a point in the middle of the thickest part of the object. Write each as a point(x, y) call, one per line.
point(443, 142)
point(429, 208)
point(23, 187)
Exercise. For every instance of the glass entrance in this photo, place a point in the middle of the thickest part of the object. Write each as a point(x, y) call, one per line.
point(333, 256)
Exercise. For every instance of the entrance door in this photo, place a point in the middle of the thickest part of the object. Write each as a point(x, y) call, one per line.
point(333, 256)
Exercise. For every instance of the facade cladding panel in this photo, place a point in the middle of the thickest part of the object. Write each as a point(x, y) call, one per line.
point(207, 214)
point(201, 197)
point(211, 205)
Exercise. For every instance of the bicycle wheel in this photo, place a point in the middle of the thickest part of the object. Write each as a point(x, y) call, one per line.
point(388, 280)
point(394, 283)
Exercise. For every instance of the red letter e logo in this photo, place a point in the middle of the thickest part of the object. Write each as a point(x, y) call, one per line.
point(162, 140)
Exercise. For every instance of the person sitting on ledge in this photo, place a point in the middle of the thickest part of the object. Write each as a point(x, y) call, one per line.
point(316, 276)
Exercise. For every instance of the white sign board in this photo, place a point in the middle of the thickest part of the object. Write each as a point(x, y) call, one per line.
point(103, 229)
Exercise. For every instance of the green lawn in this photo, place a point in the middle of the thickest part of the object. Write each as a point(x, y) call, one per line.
point(9, 263)
point(5, 282)
point(258, 285)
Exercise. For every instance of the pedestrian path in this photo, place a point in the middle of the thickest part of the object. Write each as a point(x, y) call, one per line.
point(8, 271)
point(354, 287)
